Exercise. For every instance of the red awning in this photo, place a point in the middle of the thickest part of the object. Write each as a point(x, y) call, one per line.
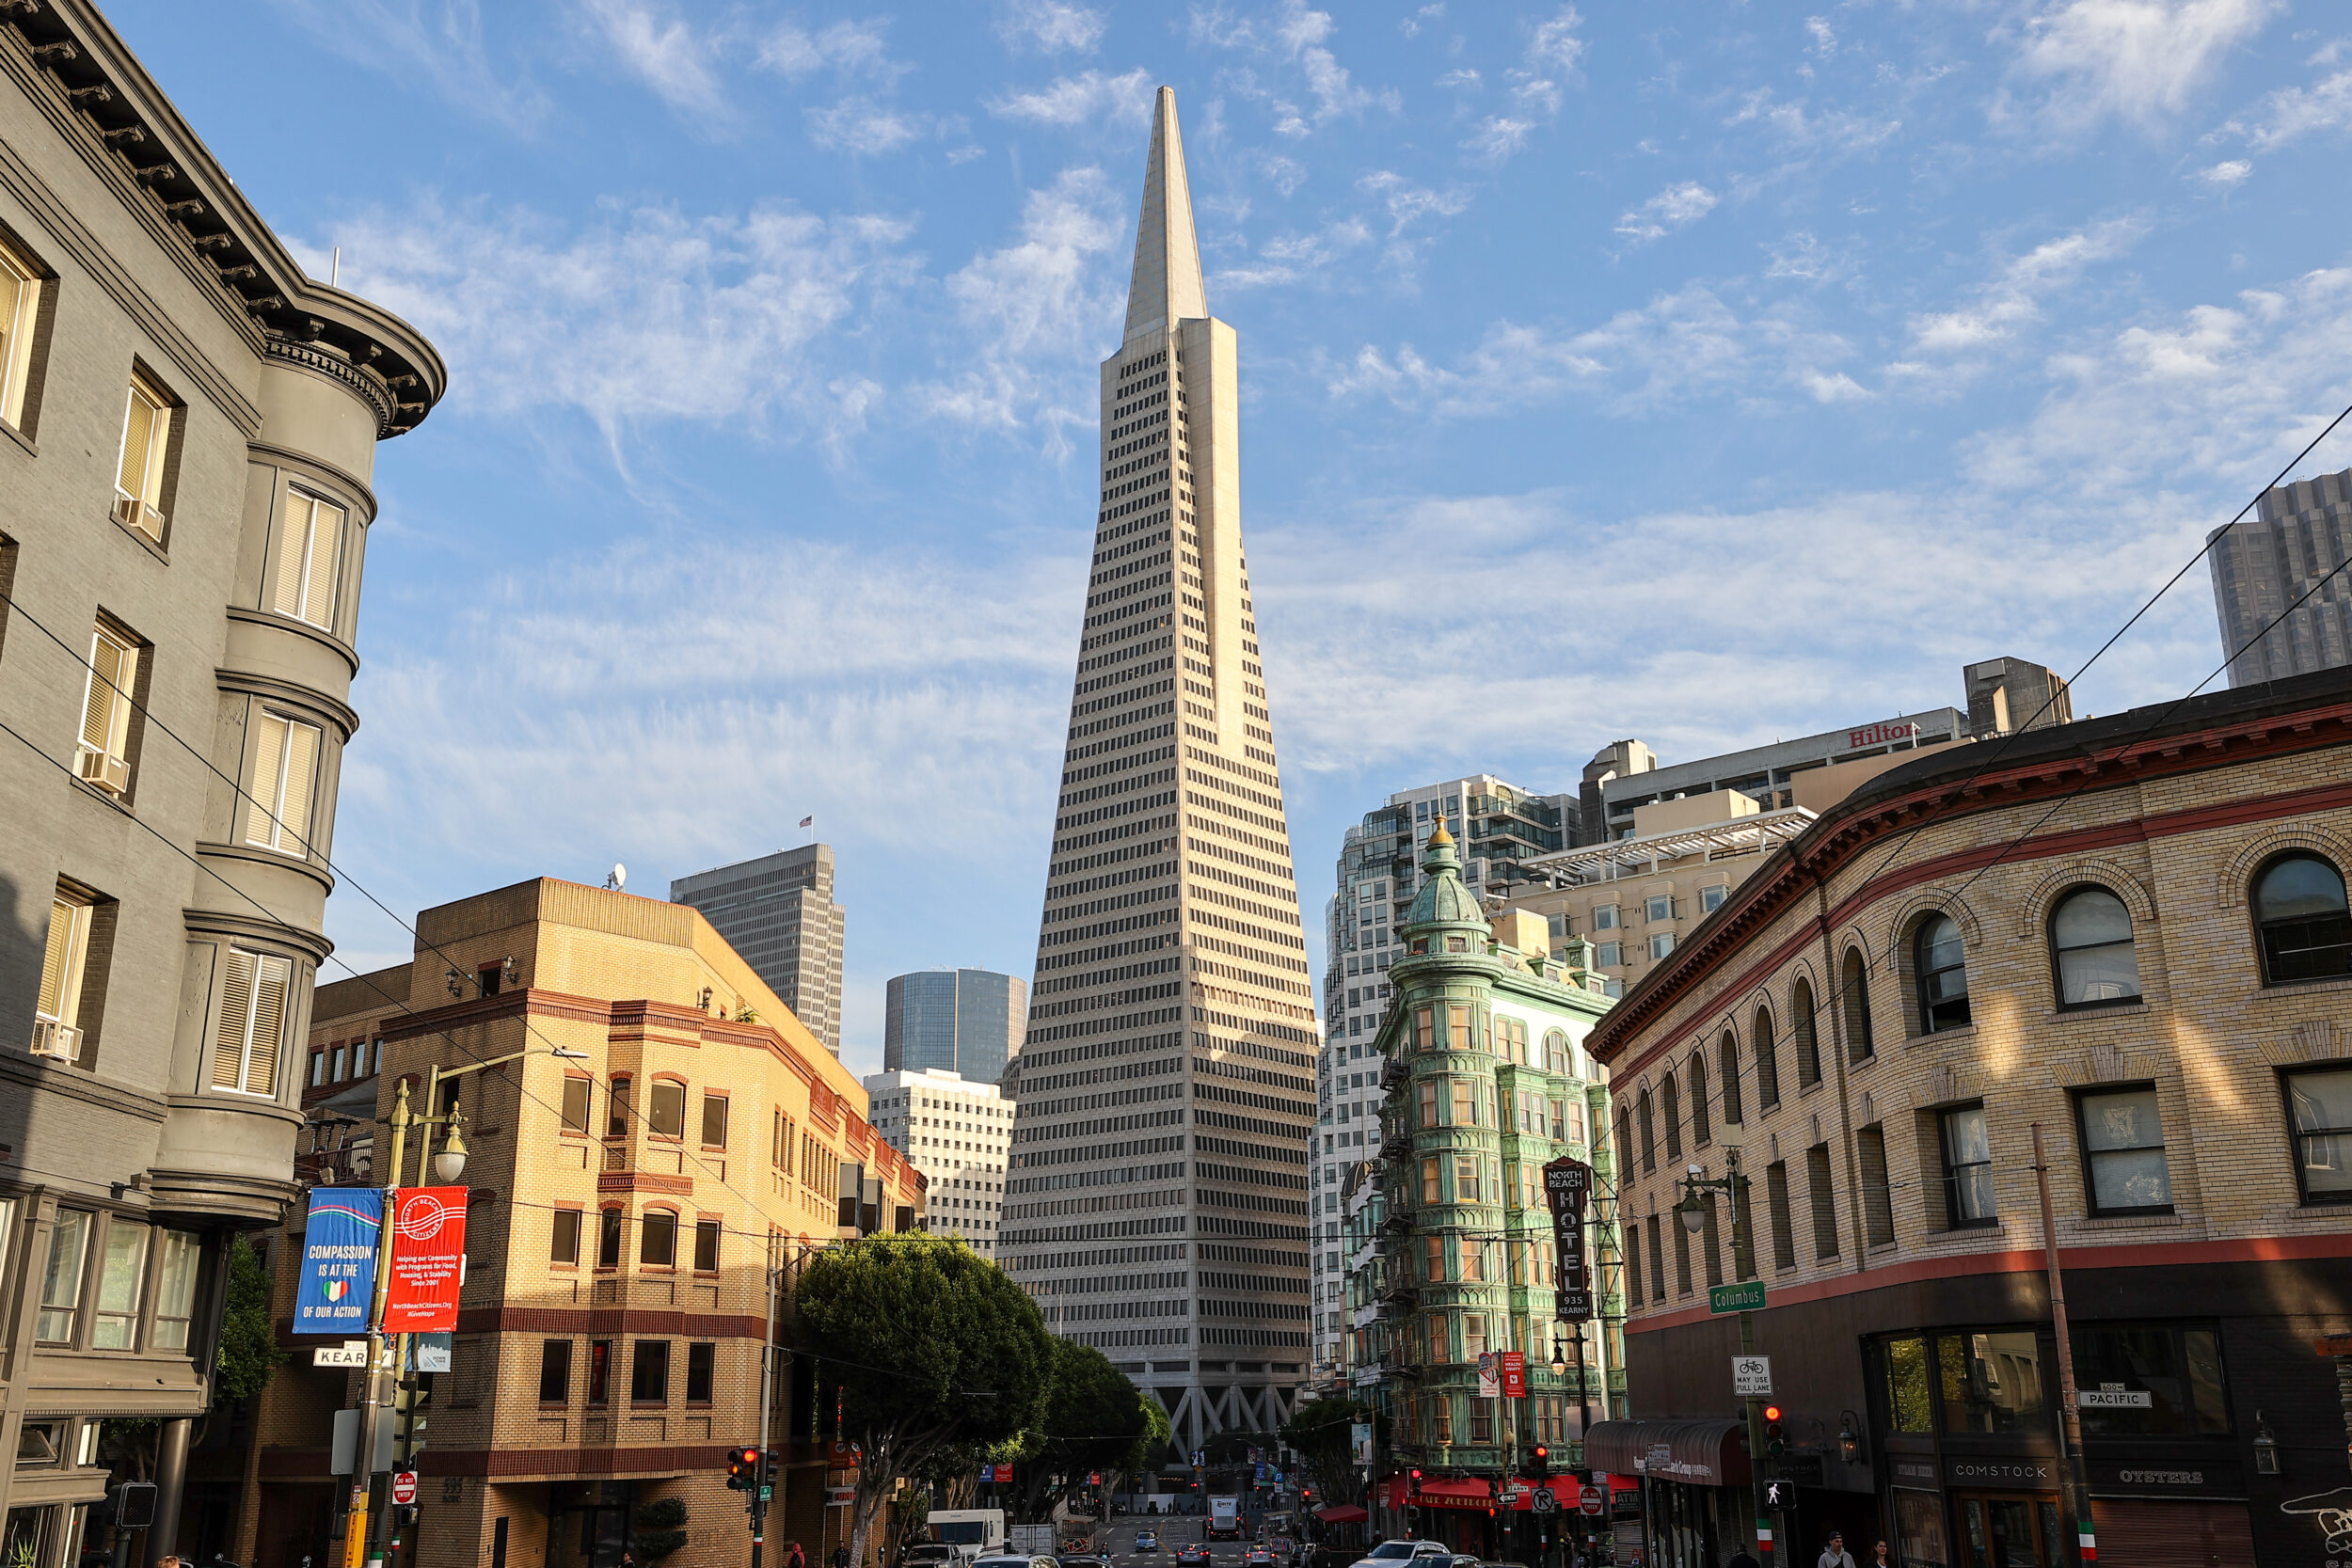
point(1340, 1513)
point(1440, 1492)
point(1569, 1489)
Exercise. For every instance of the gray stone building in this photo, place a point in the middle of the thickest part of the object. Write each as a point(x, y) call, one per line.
point(777, 911)
point(187, 429)
point(2286, 555)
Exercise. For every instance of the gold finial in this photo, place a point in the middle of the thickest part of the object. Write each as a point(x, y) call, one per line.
point(1441, 838)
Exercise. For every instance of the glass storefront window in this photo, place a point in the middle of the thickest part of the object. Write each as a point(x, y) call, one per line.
point(1907, 1402)
point(1991, 1382)
point(2150, 1381)
point(1919, 1525)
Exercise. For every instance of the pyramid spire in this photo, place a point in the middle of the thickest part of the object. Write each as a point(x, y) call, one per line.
point(1167, 286)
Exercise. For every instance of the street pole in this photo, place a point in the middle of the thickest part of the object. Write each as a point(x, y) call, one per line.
point(372, 1385)
point(766, 1384)
point(2070, 1414)
point(1584, 1431)
point(1743, 1264)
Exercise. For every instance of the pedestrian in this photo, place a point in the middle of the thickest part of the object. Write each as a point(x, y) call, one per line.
point(841, 1556)
point(1881, 1557)
point(793, 1556)
point(1834, 1554)
point(1740, 1559)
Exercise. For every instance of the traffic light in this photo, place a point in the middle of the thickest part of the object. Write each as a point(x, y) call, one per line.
point(129, 1505)
point(743, 1470)
point(411, 1415)
point(1775, 1438)
point(1539, 1462)
point(1306, 1497)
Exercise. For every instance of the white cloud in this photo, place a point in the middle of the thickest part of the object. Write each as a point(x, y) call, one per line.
point(863, 128)
point(1425, 16)
point(1676, 207)
point(2012, 298)
point(2135, 60)
point(1800, 255)
point(1409, 203)
point(1051, 26)
point(439, 43)
point(1298, 36)
point(1464, 76)
point(662, 51)
point(2293, 113)
point(1800, 129)
point(642, 315)
point(2224, 176)
point(1288, 258)
point(1535, 83)
point(1498, 137)
point(1124, 99)
point(1824, 38)
point(845, 48)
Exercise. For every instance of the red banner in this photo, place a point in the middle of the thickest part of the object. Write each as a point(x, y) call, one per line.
point(428, 1259)
point(1515, 1374)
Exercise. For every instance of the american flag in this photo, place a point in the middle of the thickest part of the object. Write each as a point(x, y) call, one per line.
point(808, 821)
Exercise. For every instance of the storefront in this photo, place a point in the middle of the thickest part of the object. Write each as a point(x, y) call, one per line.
point(1697, 1497)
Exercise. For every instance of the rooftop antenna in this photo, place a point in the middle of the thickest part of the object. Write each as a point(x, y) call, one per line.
point(617, 878)
point(334, 268)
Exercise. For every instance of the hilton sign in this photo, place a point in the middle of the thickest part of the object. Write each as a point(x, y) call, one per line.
point(1879, 735)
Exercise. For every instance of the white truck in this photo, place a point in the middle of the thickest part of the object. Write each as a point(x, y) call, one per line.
point(974, 1532)
point(1224, 1518)
point(1029, 1540)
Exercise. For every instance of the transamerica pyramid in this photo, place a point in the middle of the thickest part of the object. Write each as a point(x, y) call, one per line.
point(1157, 1203)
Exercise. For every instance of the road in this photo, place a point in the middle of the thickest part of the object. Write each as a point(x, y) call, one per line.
point(1174, 1531)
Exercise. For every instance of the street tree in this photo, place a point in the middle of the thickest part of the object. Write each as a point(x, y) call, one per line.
point(934, 1348)
point(1322, 1433)
point(1093, 1421)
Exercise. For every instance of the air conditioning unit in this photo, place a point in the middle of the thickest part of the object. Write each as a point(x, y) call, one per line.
point(131, 511)
point(104, 770)
point(126, 510)
point(59, 1042)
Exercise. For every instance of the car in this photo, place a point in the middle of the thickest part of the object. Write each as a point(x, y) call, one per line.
point(1197, 1551)
point(1084, 1560)
point(1007, 1559)
point(1146, 1540)
point(1397, 1554)
point(930, 1554)
point(1258, 1557)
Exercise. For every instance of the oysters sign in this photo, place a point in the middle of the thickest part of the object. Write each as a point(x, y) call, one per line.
point(428, 1259)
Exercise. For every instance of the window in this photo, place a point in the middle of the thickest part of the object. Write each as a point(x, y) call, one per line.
point(175, 1288)
point(649, 1372)
point(318, 1067)
point(609, 1239)
point(1784, 1227)
point(1967, 1168)
point(309, 553)
point(1855, 983)
point(1701, 1130)
point(61, 1281)
point(657, 1246)
point(599, 1370)
point(121, 1275)
point(1908, 1406)
point(1941, 966)
point(2123, 1160)
point(2300, 917)
point(1878, 1192)
point(1711, 898)
point(564, 1239)
point(1469, 1258)
point(2319, 1108)
point(1682, 1256)
point(1466, 1178)
point(1991, 1382)
point(714, 1120)
point(139, 476)
point(57, 1012)
point(1457, 1027)
point(2151, 1381)
point(1728, 1052)
point(702, 1361)
point(665, 1108)
point(1464, 1103)
point(246, 1040)
point(706, 1246)
point(556, 1371)
point(1657, 1262)
point(336, 1071)
point(2090, 949)
point(20, 312)
point(1605, 917)
point(102, 759)
point(575, 1094)
point(1428, 1095)
point(1430, 1190)
point(1433, 1259)
point(1824, 1199)
point(1661, 908)
point(1712, 1243)
point(1474, 1332)
point(616, 1125)
point(285, 778)
point(1608, 955)
point(1633, 1262)
point(1661, 943)
point(1557, 1056)
point(1650, 1143)
point(1670, 1109)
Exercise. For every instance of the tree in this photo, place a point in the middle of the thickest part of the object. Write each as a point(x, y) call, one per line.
point(1093, 1421)
point(1322, 1433)
point(660, 1529)
point(934, 1347)
point(249, 1356)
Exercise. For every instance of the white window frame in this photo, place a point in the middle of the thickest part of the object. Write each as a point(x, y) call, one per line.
point(58, 1007)
point(286, 757)
point(1661, 943)
point(238, 1032)
point(1712, 897)
point(103, 755)
point(143, 508)
point(1651, 903)
point(20, 313)
point(1607, 917)
point(307, 581)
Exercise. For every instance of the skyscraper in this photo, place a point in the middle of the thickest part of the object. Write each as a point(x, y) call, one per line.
point(2297, 534)
point(778, 914)
point(966, 1021)
point(1159, 1210)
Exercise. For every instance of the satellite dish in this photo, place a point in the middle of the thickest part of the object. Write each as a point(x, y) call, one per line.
point(618, 881)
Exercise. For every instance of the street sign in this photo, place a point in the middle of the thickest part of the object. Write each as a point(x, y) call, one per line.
point(1489, 1383)
point(1591, 1499)
point(351, 1352)
point(1750, 1375)
point(1545, 1500)
point(1515, 1374)
point(1747, 1297)
point(840, 1497)
point(404, 1487)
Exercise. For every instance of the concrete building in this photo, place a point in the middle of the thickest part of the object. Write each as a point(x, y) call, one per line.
point(622, 1202)
point(778, 912)
point(1158, 1202)
point(188, 430)
point(1503, 825)
point(1447, 1242)
point(963, 1021)
point(2126, 937)
point(957, 1134)
point(2007, 696)
point(2287, 552)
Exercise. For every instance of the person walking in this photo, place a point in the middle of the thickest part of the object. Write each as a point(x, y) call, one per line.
point(841, 1556)
point(1741, 1558)
point(1833, 1553)
point(793, 1556)
point(1882, 1556)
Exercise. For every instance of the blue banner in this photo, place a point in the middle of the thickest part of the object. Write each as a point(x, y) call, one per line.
point(339, 1261)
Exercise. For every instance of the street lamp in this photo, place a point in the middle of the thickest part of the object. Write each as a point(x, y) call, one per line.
point(1558, 1356)
point(1848, 1437)
point(449, 1163)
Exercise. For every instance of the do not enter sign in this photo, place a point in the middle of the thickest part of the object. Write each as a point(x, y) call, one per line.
point(404, 1487)
point(1590, 1499)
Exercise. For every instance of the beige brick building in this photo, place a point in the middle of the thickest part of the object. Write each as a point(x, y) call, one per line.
point(2131, 931)
point(621, 1206)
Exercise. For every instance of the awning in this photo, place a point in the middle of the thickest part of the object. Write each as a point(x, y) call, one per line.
point(1705, 1453)
point(1440, 1492)
point(1340, 1514)
point(1569, 1489)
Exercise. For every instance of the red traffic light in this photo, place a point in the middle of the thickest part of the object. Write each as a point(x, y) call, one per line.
point(1542, 1453)
point(1771, 1413)
point(1417, 1475)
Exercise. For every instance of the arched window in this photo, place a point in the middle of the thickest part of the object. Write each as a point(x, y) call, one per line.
point(1701, 1129)
point(1855, 981)
point(1941, 968)
point(1670, 1107)
point(1556, 1052)
point(1650, 1139)
point(1734, 1113)
point(2090, 949)
point(2300, 917)
point(1625, 1137)
point(1767, 1049)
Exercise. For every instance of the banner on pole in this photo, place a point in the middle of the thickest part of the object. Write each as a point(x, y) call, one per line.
point(1515, 1374)
point(339, 1260)
point(1566, 1184)
point(428, 1259)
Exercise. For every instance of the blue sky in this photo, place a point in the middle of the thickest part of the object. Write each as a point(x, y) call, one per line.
point(1705, 373)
